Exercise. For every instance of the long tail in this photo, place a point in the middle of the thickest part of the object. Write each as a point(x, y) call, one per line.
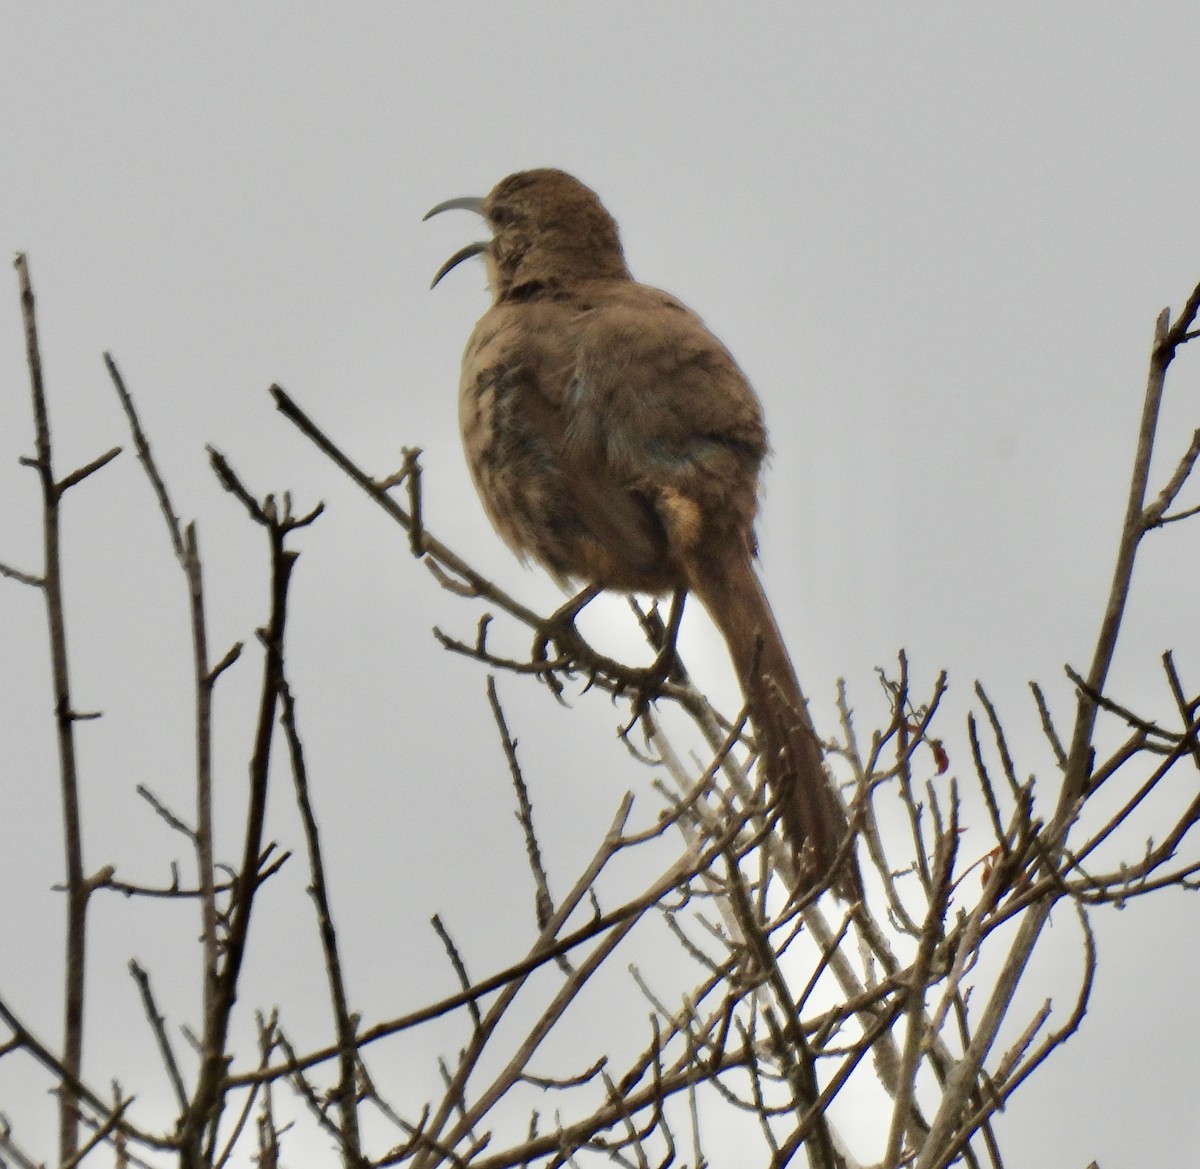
point(810, 811)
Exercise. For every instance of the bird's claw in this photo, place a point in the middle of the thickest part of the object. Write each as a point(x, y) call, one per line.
point(647, 684)
point(559, 629)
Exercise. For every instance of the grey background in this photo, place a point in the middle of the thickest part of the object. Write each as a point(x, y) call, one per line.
point(936, 237)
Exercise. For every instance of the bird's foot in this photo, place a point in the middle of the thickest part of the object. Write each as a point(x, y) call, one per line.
point(559, 629)
point(645, 685)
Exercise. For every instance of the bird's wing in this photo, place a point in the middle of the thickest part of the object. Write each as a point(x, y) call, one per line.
point(553, 499)
point(669, 411)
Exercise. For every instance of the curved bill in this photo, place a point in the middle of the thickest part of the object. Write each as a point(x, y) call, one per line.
point(458, 257)
point(462, 203)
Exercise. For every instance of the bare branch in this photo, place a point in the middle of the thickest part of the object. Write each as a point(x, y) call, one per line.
point(52, 590)
point(1048, 725)
point(448, 560)
point(345, 1023)
point(84, 1095)
point(101, 1135)
point(1152, 517)
point(79, 475)
point(165, 812)
point(543, 902)
point(158, 1026)
point(1166, 340)
point(25, 578)
point(931, 935)
point(204, 1110)
point(460, 969)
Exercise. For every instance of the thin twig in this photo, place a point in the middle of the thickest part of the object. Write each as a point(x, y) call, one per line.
point(543, 902)
point(159, 1027)
point(204, 1111)
point(52, 589)
point(344, 1023)
point(460, 969)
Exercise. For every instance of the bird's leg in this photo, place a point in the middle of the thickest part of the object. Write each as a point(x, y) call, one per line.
point(665, 661)
point(648, 681)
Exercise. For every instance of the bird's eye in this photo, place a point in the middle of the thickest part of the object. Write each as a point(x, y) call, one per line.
point(501, 215)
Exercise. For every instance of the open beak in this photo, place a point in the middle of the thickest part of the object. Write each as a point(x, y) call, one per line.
point(462, 203)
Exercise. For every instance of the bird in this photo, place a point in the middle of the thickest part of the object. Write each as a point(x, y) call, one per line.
point(614, 440)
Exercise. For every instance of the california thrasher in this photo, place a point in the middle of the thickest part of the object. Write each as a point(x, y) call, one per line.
point(614, 440)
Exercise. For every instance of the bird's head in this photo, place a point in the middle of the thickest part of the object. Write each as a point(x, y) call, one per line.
point(548, 231)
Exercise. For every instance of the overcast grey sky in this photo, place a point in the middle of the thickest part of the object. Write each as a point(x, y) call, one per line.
point(935, 236)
